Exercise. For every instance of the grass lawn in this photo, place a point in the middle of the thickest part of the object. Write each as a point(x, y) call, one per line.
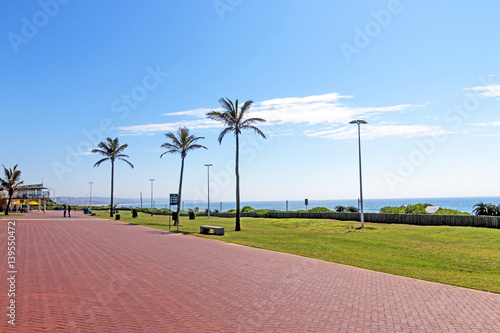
point(461, 256)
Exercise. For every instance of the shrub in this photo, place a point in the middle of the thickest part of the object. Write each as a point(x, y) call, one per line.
point(446, 211)
point(247, 209)
point(408, 209)
point(392, 210)
point(319, 210)
point(352, 209)
point(340, 209)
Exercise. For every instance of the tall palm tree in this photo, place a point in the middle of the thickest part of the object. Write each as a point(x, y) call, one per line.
point(10, 183)
point(234, 120)
point(181, 144)
point(112, 151)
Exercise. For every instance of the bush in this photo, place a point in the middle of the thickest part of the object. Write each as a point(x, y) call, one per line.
point(319, 210)
point(392, 210)
point(352, 209)
point(192, 214)
point(446, 211)
point(408, 209)
point(247, 209)
point(340, 209)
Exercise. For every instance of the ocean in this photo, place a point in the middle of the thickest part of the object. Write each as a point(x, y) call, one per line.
point(370, 205)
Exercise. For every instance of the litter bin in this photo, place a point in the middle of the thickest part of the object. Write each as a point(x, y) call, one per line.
point(174, 216)
point(117, 217)
point(85, 211)
point(134, 213)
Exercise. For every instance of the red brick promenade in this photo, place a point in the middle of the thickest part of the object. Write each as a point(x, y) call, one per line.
point(83, 274)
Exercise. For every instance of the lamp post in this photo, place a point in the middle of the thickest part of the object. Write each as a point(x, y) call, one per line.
point(208, 179)
point(90, 201)
point(152, 180)
point(359, 122)
point(51, 189)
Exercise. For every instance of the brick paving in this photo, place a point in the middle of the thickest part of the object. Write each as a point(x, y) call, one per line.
point(83, 274)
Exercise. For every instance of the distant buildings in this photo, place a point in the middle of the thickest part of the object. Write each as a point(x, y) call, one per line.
point(26, 195)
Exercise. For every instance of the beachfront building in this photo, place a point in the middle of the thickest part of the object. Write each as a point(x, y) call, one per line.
point(26, 196)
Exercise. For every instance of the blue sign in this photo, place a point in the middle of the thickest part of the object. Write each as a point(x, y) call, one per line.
point(174, 199)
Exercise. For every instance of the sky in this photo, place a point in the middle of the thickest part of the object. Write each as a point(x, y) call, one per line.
point(424, 75)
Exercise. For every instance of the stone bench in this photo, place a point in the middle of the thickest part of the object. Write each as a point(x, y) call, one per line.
point(205, 229)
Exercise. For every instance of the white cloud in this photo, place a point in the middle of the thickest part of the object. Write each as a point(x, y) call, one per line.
point(492, 90)
point(493, 123)
point(318, 110)
point(200, 113)
point(374, 132)
point(151, 129)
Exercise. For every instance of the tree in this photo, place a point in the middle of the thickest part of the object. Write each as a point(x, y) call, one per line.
point(181, 144)
point(352, 209)
point(10, 183)
point(482, 208)
point(340, 209)
point(112, 151)
point(234, 120)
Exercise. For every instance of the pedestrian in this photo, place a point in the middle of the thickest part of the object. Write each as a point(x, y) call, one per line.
point(64, 210)
point(69, 211)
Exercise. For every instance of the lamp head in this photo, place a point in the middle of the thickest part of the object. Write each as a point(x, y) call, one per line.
point(358, 121)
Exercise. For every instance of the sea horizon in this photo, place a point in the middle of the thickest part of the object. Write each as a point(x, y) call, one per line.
point(463, 204)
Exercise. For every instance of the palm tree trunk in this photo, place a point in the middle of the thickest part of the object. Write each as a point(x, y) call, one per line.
point(8, 204)
point(237, 172)
point(112, 183)
point(180, 194)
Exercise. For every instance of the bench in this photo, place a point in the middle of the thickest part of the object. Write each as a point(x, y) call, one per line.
point(205, 229)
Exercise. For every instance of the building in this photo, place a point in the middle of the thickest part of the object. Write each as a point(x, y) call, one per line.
point(26, 195)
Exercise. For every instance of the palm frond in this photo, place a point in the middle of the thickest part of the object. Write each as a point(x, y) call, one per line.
point(244, 110)
point(102, 160)
point(257, 130)
point(192, 147)
point(124, 160)
point(172, 151)
point(251, 121)
point(121, 156)
point(224, 132)
point(168, 145)
point(226, 104)
point(172, 137)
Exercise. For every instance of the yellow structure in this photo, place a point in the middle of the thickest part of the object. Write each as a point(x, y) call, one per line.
point(26, 195)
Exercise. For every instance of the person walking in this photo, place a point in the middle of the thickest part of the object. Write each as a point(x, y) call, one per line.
point(64, 210)
point(69, 211)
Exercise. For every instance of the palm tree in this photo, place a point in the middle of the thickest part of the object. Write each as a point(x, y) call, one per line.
point(492, 210)
point(113, 151)
point(352, 209)
point(10, 183)
point(181, 144)
point(234, 120)
point(481, 208)
point(340, 209)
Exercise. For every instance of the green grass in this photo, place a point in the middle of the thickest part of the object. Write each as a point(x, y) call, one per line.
point(461, 256)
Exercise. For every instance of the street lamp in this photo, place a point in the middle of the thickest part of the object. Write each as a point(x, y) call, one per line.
point(359, 122)
point(152, 180)
point(90, 203)
point(208, 177)
point(51, 189)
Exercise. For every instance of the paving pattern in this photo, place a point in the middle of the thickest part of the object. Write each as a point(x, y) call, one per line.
point(84, 274)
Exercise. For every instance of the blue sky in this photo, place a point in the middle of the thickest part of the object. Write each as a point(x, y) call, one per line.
point(423, 74)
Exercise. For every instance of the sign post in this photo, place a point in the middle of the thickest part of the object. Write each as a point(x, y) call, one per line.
point(174, 201)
